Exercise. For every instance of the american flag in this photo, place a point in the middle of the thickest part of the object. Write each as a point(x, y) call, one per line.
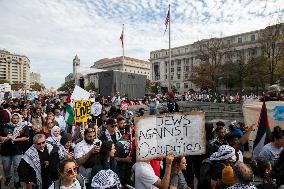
point(167, 20)
point(121, 38)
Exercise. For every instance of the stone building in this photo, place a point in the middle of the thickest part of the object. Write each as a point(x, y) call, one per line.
point(14, 68)
point(184, 58)
point(124, 64)
point(34, 78)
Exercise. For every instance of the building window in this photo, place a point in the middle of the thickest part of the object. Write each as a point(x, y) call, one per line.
point(178, 69)
point(185, 85)
point(187, 68)
point(228, 42)
point(166, 76)
point(172, 69)
point(178, 85)
point(178, 62)
point(172, 77)
point(186, 61)
point(178, 76)
point(172, 63)
point(252, 37)
point(125, 70)
point(186, 76)
point(253, 52)
point(240, 40)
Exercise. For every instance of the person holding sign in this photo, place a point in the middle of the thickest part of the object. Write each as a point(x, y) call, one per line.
point(145, 177)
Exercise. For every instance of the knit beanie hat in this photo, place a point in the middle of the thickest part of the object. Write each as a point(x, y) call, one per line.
point(171, 94)
point(228, 175)
point(65, 138)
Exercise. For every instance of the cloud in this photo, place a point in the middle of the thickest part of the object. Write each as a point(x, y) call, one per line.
point(50, 32)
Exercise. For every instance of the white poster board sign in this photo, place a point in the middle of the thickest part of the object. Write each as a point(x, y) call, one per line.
point(179, 133)
point(16, 94)
point(80, 94)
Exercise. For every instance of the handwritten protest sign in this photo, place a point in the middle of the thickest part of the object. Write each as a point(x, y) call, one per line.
point(179, 133)
point(82, 110)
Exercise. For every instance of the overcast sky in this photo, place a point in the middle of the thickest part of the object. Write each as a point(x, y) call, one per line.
point(51, 32)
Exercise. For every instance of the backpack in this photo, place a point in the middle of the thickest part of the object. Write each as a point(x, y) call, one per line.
point(205, 171)
point(78, 177)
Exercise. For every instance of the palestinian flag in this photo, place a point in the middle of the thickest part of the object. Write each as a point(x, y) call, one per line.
point(69, 116)
point(262, 131)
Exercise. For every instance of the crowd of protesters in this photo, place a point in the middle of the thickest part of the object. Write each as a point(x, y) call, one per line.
point(45, 151)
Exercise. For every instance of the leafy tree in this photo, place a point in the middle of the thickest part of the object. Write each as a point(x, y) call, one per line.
point(3, 81)
point(67, 85)
point(148, 85)
point(17, 86)
point(258, 74)
point(37, 87)
point(154, 88)
point(91, 86)
point(211, 53)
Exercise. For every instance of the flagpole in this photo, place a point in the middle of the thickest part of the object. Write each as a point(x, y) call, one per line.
point(123, 47)
point(170, 53)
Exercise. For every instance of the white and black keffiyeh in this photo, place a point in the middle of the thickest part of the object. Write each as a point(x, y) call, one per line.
point(242, 186)
point(32, 158)
point(53, 140)
point(106, 179)
point(224, 152)
point(62, 151)
point(17, 127)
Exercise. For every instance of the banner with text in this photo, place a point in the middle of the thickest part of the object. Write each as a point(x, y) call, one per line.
point(180, 133)
point(82, 110)
point(275, 114)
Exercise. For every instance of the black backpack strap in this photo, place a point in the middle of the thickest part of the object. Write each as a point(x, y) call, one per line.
point(57, 184)
point(81, 180)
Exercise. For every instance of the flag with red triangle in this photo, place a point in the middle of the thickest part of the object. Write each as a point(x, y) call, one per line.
point(262, 131)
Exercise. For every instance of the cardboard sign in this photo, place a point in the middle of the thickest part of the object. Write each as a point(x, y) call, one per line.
point(179, 133)
point(82, 110)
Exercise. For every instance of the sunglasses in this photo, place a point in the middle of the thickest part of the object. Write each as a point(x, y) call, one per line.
point(71, 171)
point(114, 125)
point(40, 143)
point(89, 130)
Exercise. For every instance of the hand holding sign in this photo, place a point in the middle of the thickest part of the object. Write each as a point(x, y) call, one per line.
point(170, 158)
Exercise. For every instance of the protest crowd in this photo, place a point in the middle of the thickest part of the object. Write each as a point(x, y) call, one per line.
point(44, 147)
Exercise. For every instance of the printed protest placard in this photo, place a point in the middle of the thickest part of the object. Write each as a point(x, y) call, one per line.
point(179, 133)
point(82, 110)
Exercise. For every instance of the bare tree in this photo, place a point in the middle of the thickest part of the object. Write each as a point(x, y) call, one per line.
point(210, 53)
point(272, 43)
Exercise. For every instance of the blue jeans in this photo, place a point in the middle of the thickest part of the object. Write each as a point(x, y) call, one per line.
point(7, 165)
